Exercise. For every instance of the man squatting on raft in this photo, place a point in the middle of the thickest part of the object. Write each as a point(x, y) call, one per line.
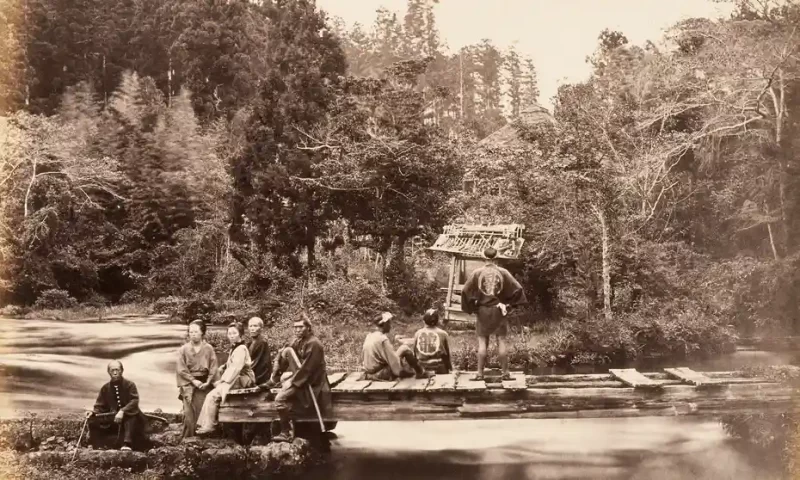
point(381, 361)
point(432, 346)
point(295, 394)
point(489, 291)
point(117, 403)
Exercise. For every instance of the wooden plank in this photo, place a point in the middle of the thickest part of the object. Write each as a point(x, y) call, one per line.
point(336, 378)
point(537, 403)
point(465, 383)
point(244, 391)
point(632, 378)
point(353, 383)
point(440, 383)
point(411, 385)
point(687, 375)
point(451, 282)
point(378, 386)
point(518, 382)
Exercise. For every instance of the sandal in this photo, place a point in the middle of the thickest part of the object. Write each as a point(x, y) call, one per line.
point(477, 378)
point(506, 377)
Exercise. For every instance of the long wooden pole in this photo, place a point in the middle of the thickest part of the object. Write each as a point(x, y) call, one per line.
point(310, 392)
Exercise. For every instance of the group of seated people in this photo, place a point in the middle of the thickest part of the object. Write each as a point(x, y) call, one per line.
point(203, 385)
point(489, 292)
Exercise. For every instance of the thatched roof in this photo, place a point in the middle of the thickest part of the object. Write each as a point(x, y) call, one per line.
point(508, 137)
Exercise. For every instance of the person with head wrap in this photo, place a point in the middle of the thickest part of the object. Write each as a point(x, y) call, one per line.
point(195, 369)
point(381, 361)
point(294, 397)
point(431, 345)
point(117, 405)
point(488, 292)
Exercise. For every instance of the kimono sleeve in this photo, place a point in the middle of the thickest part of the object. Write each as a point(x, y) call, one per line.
point(100, 405)
point(470, 294)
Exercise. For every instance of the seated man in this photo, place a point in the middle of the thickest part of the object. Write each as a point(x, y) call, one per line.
point(381, 361)
point(431, 345)
point(117, 404)
point(295, 395)
point(259, 351)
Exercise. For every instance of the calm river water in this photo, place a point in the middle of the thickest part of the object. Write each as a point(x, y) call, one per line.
point(54, 365)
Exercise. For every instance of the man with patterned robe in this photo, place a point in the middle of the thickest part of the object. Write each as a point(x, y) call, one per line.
point(488, 292)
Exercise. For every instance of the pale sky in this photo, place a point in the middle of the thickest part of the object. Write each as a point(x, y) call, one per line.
point(557, 34)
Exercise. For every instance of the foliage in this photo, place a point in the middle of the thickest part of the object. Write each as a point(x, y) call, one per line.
point(55, 298)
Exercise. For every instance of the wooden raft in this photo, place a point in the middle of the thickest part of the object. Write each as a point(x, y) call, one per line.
point(620, 393)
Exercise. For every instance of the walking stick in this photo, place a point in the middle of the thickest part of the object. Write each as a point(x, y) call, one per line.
point(310, 391)
point(80, 437)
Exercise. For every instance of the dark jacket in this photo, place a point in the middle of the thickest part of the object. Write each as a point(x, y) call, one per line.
point(312, 372)
point(489, 285)
point(114, 397)
point(260, 356)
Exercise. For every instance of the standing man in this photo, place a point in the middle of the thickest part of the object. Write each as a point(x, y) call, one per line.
point(259, 351)
point(294, 394)
point(117, 405)
point(381, 361)
point(488, 292)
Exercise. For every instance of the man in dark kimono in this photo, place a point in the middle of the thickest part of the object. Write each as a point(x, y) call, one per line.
point(488, 292)
point(259, 351)
point(294, 398)
point(116, 411)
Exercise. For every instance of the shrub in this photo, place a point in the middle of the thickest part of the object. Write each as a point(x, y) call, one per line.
point(55, 299)
point(172, 306)
point(411, 289)
point(341, 302)
point(131, 296)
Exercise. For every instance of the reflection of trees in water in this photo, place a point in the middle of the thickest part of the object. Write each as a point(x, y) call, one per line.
point(768, 439)
point(672, 460)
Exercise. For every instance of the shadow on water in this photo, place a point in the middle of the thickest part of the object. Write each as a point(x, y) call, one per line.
point(658, 448)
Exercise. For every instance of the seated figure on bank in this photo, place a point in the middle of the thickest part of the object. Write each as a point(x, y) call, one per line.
point(259, 351)
point(116, 412)
point(236, 373)
point(381, 361)
point(305, 359)
point(432, 346)
point(196, 367)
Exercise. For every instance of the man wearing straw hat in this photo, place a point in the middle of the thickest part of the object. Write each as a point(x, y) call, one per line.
point(305, 358)
point(488, 292)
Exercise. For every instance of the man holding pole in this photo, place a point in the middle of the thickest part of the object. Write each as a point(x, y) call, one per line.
point(307, 391)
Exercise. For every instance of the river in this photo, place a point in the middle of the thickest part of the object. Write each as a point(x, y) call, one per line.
point(59, 366)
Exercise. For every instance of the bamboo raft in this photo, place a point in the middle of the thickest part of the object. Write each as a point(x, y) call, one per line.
point(619, 393)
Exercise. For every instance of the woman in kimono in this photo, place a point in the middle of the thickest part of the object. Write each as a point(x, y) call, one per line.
point(236, 373)
point(195, 370)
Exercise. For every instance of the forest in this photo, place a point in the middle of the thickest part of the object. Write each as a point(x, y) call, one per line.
point(262, 153)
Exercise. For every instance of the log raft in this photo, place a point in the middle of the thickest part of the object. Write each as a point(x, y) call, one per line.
point(620, 393)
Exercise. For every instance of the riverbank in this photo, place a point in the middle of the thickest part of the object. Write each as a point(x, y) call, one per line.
point(570, 343)
point(43, 448)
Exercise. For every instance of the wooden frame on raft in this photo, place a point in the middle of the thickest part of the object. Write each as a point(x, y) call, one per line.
point(467, 242)
point(618, 393)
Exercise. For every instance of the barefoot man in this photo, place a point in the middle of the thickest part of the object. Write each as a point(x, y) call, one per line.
point(488, 292)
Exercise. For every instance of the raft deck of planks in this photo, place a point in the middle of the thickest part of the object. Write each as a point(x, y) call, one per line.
point(619, 393)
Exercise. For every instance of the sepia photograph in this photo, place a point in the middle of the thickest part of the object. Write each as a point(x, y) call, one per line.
point(400, 239)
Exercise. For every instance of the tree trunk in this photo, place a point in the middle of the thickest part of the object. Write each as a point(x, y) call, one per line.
point(601, 216)
point(28, 191)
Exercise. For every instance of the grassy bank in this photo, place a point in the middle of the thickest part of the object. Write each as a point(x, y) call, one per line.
point(45, 448)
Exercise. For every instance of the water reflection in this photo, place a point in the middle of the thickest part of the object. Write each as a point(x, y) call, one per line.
point(640, 448)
